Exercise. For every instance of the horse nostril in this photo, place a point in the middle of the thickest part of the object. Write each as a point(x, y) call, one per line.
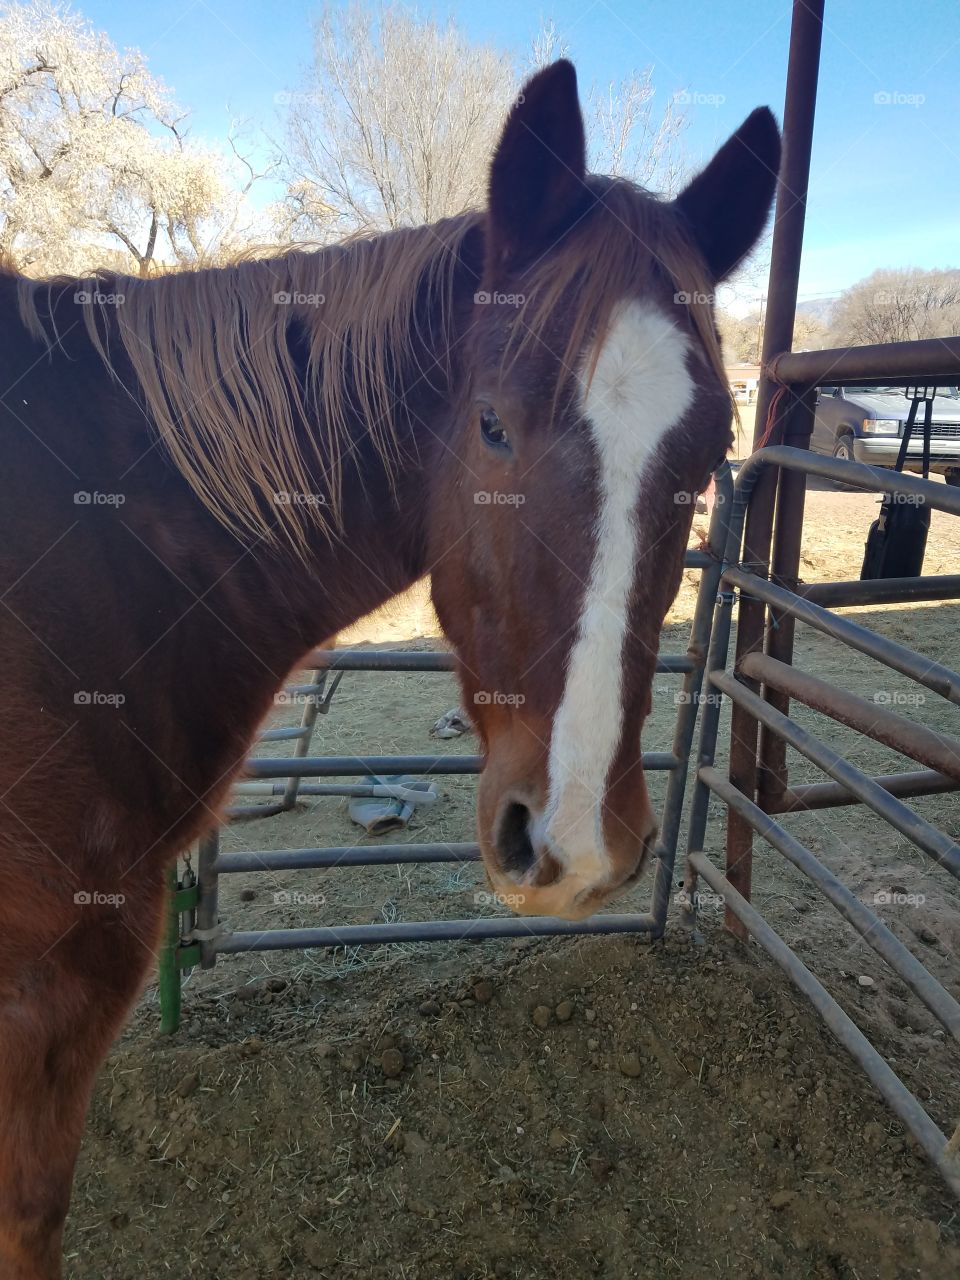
point(514, 845)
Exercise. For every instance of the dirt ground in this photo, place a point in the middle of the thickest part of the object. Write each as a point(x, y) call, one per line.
point(546, 1108)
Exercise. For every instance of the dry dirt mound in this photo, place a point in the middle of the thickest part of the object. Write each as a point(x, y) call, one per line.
point(598, 1107)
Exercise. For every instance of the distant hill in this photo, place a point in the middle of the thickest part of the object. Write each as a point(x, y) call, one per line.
point(819, 308)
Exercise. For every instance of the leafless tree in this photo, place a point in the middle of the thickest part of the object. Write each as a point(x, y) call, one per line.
point(899, 306)
point(95, 164)
point(396, 120)
point(742, 336)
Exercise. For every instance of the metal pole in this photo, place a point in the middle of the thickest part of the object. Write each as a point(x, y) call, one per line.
point(802, 72)
point(168, 970)
point(690, 697)
point(803, 69)
point(208, 902)
point(307, 723)
point(831, 795)
point(784, 571)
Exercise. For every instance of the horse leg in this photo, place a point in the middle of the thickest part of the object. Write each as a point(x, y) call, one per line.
point(64, 993)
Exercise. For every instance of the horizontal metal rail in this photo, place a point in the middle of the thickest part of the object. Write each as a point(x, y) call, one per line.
point(357, 766)
point(345, 856)
point(358, 790)
point(436, 660)
point(831, 795)
point(931, 360)
point(362, 766)
point(932, 675)
point(431, 931)
point(926, 837)
point(938, 751)
point(890, 1086)
point(379, 660)
point(281, 735)
point(869, 925)
point(857, 475)
point(841, 595)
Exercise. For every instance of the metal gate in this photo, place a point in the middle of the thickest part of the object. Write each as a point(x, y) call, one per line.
point(760, 686)
point(197, 936)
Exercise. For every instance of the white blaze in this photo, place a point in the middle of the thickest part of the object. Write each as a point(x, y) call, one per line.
point(640, 388)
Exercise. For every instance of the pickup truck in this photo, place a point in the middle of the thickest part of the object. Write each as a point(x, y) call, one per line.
point(866, 424)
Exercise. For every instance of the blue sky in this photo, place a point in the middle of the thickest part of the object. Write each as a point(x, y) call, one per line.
point(885, 185)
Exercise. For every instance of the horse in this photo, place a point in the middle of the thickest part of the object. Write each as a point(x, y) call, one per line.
point(206, 474)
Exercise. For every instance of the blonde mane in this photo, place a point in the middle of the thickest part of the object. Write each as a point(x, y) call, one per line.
point(210, 349)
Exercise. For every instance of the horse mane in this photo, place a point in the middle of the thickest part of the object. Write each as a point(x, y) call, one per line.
point(211, 348)
point(213, 353)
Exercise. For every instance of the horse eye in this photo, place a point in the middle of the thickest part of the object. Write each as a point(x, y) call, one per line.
point(492, 430)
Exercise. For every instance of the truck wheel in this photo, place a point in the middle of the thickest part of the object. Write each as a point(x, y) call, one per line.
point(953, 478)
point(843, 451)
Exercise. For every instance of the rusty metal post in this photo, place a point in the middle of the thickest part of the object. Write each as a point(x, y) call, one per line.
point(785, 572)
point(798, 114)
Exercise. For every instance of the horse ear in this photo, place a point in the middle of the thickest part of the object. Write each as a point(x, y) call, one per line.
point(726, 206)
point(536, 176)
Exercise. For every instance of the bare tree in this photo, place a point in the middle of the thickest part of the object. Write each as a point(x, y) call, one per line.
point(898, 306)
point(809, 332)
point(742, 336)
point(398, 116)
point(395, 123)
point(95, 165)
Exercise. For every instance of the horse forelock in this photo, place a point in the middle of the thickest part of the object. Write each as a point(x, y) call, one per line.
point(607, 257)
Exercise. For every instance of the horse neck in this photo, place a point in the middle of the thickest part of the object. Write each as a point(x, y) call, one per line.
point(379, 548)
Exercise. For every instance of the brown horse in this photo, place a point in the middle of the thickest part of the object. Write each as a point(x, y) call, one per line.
point(205, 475)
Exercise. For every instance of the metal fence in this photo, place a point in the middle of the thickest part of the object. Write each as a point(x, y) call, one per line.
point(197, 936)
point(760, 686)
